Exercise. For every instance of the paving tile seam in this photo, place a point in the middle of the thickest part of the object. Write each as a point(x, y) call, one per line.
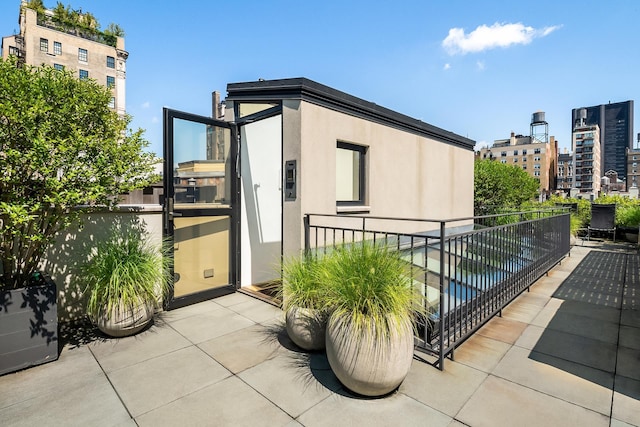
point(145, 360)
point(243, 316)
point(486, 376)
point(115, 390)
point(274, 403)
point(496, 364)
point(568, 360)
point(431, 407)
point(271, 357)
point(183, 336)
point(601, 341)
point(251, 298)
point(21, 402)
point(626, 378)
point(297, 419)
point(231, 373)
point(197, 344)
point(551, 395)
point(163, 312)
point(460, 422)
point(615, 366)
point(45, 392)
point(177, 398)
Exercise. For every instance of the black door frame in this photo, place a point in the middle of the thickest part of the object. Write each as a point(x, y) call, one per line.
point(233, 212)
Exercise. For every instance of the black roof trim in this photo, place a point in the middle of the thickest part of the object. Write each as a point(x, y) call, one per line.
point(308, 90)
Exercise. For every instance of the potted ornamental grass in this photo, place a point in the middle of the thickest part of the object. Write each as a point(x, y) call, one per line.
point(374, 308)
point(303, 295)
point(127, 279)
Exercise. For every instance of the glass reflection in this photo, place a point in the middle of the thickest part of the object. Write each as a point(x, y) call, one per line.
point(201, 165)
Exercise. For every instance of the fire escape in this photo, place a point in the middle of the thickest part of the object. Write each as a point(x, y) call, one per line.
point(20, 52)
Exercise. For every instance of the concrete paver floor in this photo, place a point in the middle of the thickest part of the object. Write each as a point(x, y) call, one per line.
point(567, 353)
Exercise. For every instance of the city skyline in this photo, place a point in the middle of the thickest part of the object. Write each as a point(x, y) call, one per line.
point(479, 70)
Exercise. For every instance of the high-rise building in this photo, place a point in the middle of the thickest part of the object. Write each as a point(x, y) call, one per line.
point(586, 159)
point(615, 122)
point(48, 38)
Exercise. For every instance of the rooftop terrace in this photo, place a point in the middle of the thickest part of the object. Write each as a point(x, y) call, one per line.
point(565, 353)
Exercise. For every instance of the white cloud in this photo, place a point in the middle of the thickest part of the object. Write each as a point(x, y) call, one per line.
point(497, 35)
point(480, 145)
point(155, 120)
point(146, 104)
point(446, 66)
point(480, 65)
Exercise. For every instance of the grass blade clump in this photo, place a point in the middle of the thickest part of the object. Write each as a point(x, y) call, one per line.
point(128, 270)
point(303, 283)
point(370, 286)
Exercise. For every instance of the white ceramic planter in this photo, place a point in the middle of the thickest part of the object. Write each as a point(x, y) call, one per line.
point(366, 364)
point(125, 321)
point(306, 328)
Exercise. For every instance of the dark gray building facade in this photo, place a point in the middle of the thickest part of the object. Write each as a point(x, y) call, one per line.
point(616, 132)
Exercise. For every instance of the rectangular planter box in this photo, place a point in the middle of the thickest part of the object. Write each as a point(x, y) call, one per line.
point(28, 326)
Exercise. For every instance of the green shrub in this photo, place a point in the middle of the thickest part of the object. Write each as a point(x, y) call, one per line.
point(63, 152)
point(628, 216)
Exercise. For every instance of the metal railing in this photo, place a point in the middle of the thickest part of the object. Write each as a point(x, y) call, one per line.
point(468, 269)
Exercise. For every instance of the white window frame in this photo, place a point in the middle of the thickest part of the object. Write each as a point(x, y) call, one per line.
point(350, 169)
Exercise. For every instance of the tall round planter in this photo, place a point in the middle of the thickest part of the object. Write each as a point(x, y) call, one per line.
point(365, 362)
point(124, 321)
point(306, 327)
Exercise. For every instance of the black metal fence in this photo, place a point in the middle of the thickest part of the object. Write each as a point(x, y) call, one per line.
point(468, 269)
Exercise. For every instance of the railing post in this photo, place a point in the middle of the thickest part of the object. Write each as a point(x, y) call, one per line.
point(364, 228)
point(307, 236)
point(442, 229)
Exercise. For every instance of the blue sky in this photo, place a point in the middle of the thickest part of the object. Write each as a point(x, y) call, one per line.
point(476, 68)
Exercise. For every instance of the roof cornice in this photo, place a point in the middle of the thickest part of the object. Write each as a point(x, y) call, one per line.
point(316, 93)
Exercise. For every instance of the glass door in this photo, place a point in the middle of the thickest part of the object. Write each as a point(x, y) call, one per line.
point(201, 184)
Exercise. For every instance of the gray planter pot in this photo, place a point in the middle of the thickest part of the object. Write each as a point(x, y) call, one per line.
point(125, 321)
point(367, 364)
point(28, 326)
point(306, 327)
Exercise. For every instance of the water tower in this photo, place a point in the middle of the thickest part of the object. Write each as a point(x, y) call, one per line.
point(539, 127)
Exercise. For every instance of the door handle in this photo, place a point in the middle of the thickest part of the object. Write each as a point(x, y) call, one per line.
point(170, 212)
